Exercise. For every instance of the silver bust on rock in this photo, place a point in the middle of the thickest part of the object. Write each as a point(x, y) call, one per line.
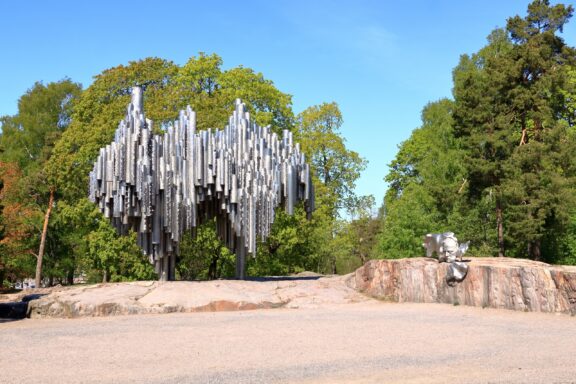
point(445, 246)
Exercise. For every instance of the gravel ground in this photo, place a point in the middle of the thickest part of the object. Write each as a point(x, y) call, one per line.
point(370, 342)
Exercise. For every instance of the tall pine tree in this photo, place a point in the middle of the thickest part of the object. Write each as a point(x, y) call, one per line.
point(509, 103)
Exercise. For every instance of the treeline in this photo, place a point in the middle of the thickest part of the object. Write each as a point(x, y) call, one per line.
point(496, 164)
point(48, 148)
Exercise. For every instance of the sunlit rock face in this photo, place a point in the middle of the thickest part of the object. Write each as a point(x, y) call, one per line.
point(508, 283)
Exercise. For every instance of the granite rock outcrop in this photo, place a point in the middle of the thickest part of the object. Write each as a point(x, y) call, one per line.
point(505, 283)
point(153, 297)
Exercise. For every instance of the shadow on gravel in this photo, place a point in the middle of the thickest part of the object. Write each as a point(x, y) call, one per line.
point(17, 310)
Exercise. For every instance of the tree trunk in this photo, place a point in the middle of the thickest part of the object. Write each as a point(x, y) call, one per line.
point(363, 258)
point(213, 268)
point(43, 240)
point(500, 228)
point(534, 250)
point(523, 138)
point(240, 259)
point(333, 262)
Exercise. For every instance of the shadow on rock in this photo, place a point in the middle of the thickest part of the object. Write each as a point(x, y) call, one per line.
point(284, 278)
point(17, 310)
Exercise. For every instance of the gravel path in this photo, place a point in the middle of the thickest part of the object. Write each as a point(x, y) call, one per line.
point(370, 342)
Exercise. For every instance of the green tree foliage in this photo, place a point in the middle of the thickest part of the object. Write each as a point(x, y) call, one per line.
point(323, 240)
point(26, 144)
point(289, 249)
point(323, 243)
point(356, 241)
point(2, 236)
point(115, 258)
point(426, 181)
point(18, 220)
point(97, 114)
point(507, 114)
point(204, 256)
point(569, 95)
point(479, 108)
point(496, 165)
point(201, 83)
point(44, 112)
point(336, 167)
point(62, 131)
point(98, 253)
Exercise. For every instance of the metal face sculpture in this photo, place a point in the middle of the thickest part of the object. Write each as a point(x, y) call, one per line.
point(163, 185)
point(446, 247)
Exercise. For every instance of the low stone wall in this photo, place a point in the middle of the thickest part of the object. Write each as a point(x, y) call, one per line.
point(517, 284)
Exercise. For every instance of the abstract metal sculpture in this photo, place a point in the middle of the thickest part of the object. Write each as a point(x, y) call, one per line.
point(163, 185)
point(446, 247)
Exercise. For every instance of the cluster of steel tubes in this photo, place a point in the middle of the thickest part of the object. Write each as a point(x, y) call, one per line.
point(163, 185)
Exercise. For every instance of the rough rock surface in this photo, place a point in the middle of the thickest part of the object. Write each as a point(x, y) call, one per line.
point(184, 296)
point(515, 284)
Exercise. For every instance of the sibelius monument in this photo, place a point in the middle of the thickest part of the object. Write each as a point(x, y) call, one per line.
point(163, 185)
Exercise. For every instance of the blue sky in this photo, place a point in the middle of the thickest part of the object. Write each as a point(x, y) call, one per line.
point(381, 61)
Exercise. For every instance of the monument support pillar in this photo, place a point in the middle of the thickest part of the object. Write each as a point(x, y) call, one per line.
point(240, 259)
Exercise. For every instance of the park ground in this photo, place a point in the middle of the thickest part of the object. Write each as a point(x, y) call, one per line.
point(366, 342)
